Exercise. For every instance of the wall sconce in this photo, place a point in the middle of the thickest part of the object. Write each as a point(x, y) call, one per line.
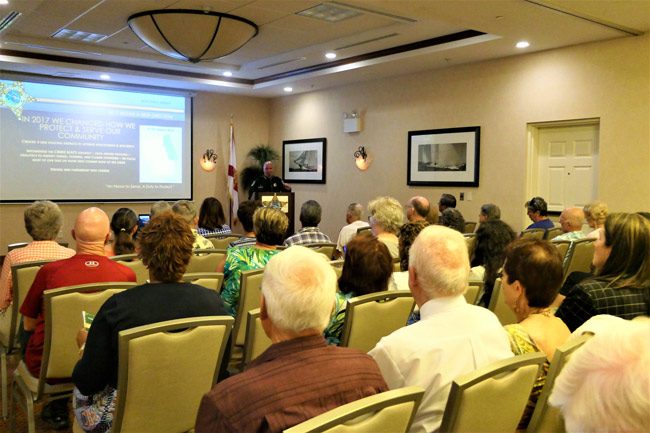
point(351, 122)
point(361, 159)
point(209, 160)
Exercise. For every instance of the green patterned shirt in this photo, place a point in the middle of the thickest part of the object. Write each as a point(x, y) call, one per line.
point(241, 259)
point(335, 328)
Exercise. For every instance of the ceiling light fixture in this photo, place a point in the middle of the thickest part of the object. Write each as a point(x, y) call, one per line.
point(227, 74)
point(105, 77)
point(288, 89)
point(522, 44)
point(192, 35)
point(330, 55)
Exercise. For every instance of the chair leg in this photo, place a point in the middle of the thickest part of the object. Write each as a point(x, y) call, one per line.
point(28, 404)
point(3, 368)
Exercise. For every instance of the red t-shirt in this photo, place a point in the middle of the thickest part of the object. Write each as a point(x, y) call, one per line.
point(78, 269)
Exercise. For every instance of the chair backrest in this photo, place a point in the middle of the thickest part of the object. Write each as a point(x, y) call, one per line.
point(533, 233)
point(390, 411)
point(498, 305)
point(125, 257)
point(470, 226)
point(136, 265)
point(63, 318)
point(580, 255)
point(326, 248)
point(545, 418)
point(160, 377)
point(250, 290)
point(221, 242)
point(363, 229)
point(209, 280)
point(397, 265)
point(473, 289)
point(256, 339)
point(551, 233)
point(493, 398)
point(370, 317)
point(205, 260)
point(563, 248)
point(470, 240)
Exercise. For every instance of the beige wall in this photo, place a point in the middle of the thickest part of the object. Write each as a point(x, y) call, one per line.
point(609, 80)
point(211, 130)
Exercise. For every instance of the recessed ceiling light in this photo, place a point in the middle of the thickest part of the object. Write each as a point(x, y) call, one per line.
point(330, 55)
point(288, 89)
point(522, 44)
point(227, 74)
point(105, 77)
point(4, 2)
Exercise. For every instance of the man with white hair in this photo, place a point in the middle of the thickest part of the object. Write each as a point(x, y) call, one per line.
point(571, 222)
point(353, 218)
point(299, 376)
point(451, 339)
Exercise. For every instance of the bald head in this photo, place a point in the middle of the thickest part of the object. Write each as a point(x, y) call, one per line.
point(417, 209)
point(571, 219)
point(91, 228)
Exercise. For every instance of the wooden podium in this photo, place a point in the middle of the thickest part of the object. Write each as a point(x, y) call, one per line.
point(287, 202)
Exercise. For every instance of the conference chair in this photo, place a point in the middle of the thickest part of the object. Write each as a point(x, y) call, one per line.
point(563, 248)
point(498, 305)
point(133, 262)
point(470, 240)
point(63, 319)
point(326, 248)
point(161, 380)
point(533, 233)
point(209, 280)
point(250, 289)
point(22, 276)
point(492, 398)
point(473, 290)
point(391, 411)
point(551, 233)
point(221, 242)
point(470, 226)
point(370, 317)
point(363, 229)
point(579, 256)
point(205, 260)
point(546, 418)
point(397, 265)
point(256, 339)
point(338, 267)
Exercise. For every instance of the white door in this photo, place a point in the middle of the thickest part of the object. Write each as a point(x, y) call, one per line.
point(567, 165)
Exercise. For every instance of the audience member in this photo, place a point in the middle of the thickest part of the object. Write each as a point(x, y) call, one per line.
point(441, 346)
point(354, 221)
point(245, 216)
point(187, 211)
point(433, 216)
point(595, 214)
point(270, 227)
point(446, 201)
point(605, 387)
point(492, 238)
point(267, 182)
point(124, 225)
point(571, 222)
point(417, 209)
point(537, 211)
point(532, 275)
point(299, 376)
point(367, 268)
point(622, 281)
point(165, 245)
point(489, 212)
point(310, 213)
point(89, 265)
point(159, 207)
point(400, 280)
point(453, 219)
point(212, 220)
point(43, 221)
point(386, 217)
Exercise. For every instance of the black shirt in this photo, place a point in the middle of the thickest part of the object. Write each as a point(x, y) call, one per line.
point(267, 184)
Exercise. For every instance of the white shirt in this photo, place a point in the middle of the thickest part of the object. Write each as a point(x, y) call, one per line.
point(348, 232)
point(451, 339)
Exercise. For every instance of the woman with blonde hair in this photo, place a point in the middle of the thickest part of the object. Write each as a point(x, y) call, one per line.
point(386, 217)
point(595, 213)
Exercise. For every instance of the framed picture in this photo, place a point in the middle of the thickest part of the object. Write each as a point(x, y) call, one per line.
point(444, 157)
point(303, 161)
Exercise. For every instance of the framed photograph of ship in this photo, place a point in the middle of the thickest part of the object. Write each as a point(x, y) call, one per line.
point(444, 157)
point(303, 161)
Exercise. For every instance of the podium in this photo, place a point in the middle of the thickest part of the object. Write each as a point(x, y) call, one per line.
point(287, 201)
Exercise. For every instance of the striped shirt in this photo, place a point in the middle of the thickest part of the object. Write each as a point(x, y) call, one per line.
point(307, 235)
point(36, 250)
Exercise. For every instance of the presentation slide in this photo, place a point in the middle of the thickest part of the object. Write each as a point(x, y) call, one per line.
point(71, 143)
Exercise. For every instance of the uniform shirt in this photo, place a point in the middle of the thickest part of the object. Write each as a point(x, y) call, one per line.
point(306, 236)
point(36, 250)
point(266, 184)
point(348, 232)
point(291, 382)
point(451, 339)
point(78, 269)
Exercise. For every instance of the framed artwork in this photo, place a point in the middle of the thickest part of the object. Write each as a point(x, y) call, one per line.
point(444, 157)
point(303, 161)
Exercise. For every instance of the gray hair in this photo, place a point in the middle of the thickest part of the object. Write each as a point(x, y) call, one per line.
point(491, 211)
point(387, 211)
point(310, 213)
point(159, 207)
point(186, 210)
point(43, 220)
point(356, 210)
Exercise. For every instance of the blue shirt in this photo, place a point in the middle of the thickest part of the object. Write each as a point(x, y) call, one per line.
point(543, 224)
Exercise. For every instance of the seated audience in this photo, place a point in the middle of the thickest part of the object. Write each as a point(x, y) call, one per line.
point(299, 376)
point(124, 225)
point(212, 220)
point(270, 227)
point(453, 219)
point(537, 211)
point(89, 265)
point(386, 217)
point(245, 216)
point(492, 238)
point(417, 209)
point(595, 214)
point(489, 212)
point(451, 339)
point(622, 281)
point(605, 387)
point(43, 221)
point(165, 245)
point(571, 223)
point(446, 201)
point(532, 275)
point(407, 234)
point(310, 213)
point(367, 268)
point(354, 223)
point(159, 207)
point(187, 211)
